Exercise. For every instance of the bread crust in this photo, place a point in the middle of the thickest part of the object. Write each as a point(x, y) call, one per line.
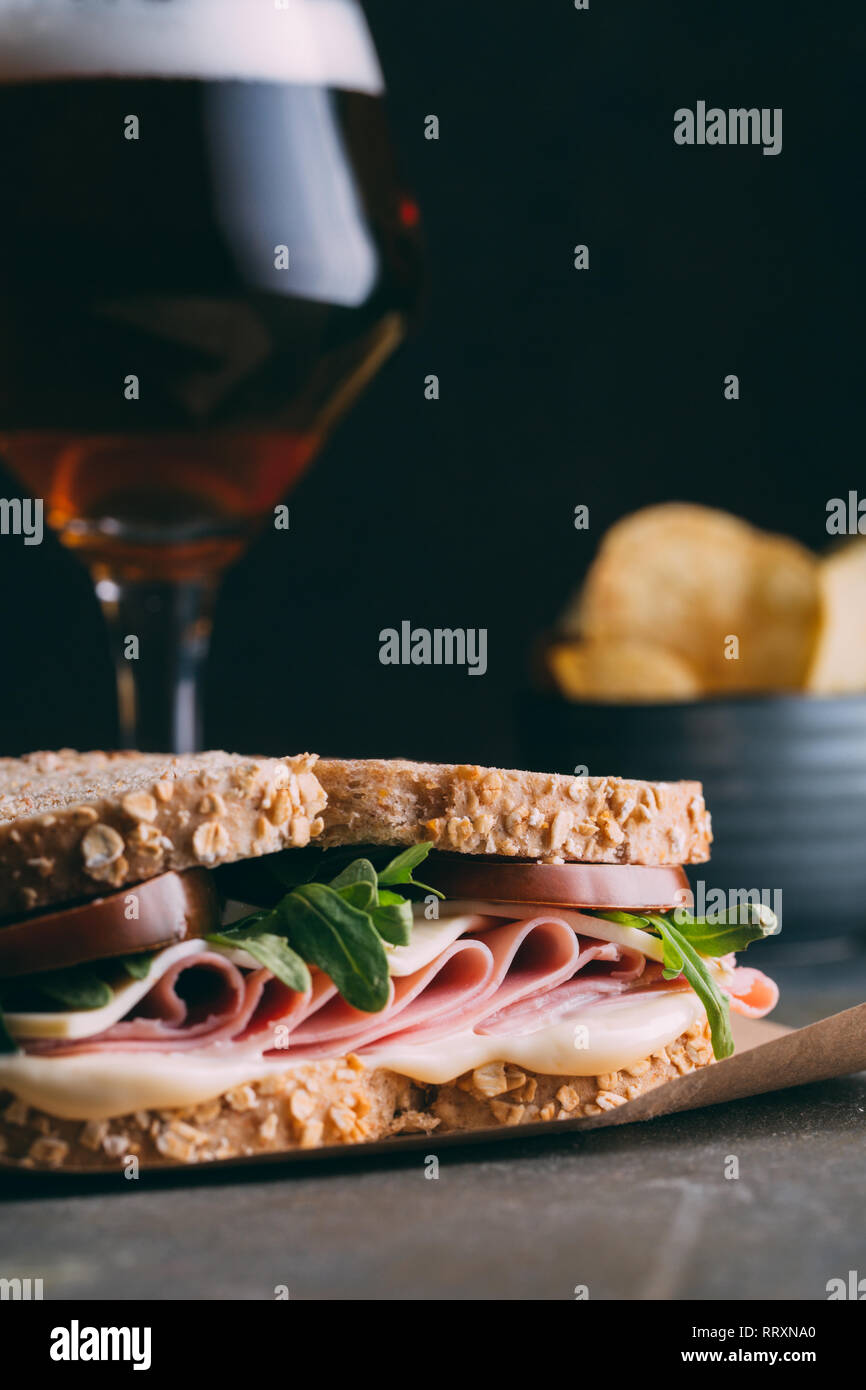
point(74, 825)
point(528, 815)
point(333, 1102)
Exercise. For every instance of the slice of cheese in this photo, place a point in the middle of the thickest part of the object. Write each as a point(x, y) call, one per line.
point(84, 1023)
point(598, 927)
point(595, 1039)
point(98, 1085)
point(429, 940)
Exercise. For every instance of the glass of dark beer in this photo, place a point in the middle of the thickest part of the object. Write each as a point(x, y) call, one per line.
point(205, 254)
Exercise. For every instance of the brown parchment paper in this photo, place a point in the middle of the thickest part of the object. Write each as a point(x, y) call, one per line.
point(769, 1057)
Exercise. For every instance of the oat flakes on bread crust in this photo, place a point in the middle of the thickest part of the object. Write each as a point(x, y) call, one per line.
point(338, 1101)
point(80, 824)
point(528, 815)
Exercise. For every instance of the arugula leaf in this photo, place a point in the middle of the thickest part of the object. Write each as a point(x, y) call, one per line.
point(393, 918)
point(357, 895)
point(725, 932)
point(400, 868)
point(7, 1042)
point(272, 951)
point(265, 881)
point(358, 884)
point(681, 957)
point(625, 919)
point(268, 919)
point(340, 925)
point(77, 987)
point(342, 941)
point(138, 966)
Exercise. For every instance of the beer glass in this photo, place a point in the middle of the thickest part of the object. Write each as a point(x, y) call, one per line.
point(205, 254)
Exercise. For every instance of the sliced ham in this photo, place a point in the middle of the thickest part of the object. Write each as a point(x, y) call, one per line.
point(280, 1009)
point(541, 973)
point(751, 992)
point(529, 957)
point(216, 1004)
point(437, 992)
point(513, 978)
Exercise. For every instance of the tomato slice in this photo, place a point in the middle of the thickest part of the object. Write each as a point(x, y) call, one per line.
point(169, 908)
point(621, 886)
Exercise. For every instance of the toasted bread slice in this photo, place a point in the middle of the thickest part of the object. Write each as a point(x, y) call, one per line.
point(73, 825)
point(528, 815)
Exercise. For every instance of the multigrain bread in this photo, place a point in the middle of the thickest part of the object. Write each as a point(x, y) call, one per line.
point(341, 1101)
point(75, 824)
point(529, 815)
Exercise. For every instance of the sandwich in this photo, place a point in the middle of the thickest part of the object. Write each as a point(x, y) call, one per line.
point(214, 957)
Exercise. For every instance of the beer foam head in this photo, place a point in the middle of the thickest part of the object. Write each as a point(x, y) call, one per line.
point(319, 42)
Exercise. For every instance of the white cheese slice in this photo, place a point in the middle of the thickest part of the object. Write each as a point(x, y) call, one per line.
point(83, 1023)
point(429, 940)
point(592, 1041)
point(642, 941)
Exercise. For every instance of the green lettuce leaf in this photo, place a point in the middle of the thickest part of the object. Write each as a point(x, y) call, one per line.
point(270, 950)
point(138, 966)
point(681, 958)
point(77, 987)
point(341, 940)
point(392, 918)
point(725, 932)
point(358, 884)
point(400, 868)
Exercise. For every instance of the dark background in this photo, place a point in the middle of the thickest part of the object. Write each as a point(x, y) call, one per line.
point(558, 387)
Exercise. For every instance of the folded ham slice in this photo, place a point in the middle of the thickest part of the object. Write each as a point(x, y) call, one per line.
point(513, 978)
point(751, 992)
point(215, 1005)
point(528, 957)
point(438, 991)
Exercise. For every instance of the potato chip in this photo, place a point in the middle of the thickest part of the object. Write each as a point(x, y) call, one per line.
point(621, 672)
point(740, 607)
point(839, 664)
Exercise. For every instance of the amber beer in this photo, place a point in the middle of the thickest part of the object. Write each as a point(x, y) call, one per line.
point(204, 254)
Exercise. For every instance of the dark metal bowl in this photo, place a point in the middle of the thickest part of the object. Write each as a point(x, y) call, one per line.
point(784, 778)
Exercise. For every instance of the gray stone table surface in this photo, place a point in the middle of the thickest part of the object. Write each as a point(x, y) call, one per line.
point(636, 1212)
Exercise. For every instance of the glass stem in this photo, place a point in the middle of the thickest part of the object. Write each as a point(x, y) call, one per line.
point(160, 633)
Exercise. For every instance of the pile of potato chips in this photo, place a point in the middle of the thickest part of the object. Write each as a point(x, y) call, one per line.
point(683, 601)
